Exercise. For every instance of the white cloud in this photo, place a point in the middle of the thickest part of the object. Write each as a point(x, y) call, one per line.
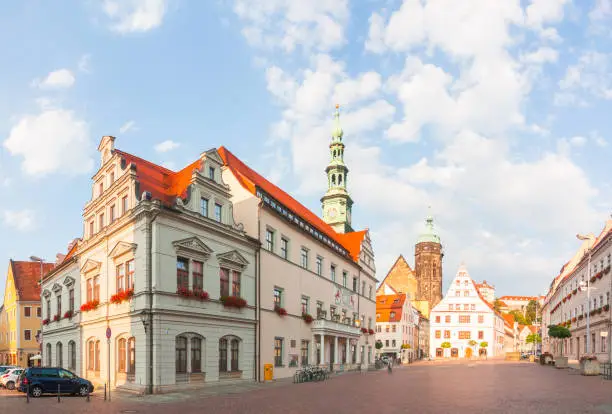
point(287, 24)
point(166, 146)
point(541, 55)
point(58, 79)
point(129, 16)
point(540, 12)
point(55, 140)
point(84, 63)
point(602, 10)
point(590, 76)
point(128, 126)
point(21, 220)
point(598, 139)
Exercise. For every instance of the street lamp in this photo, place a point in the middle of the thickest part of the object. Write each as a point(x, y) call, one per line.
point(38, 259)
point(587, 286)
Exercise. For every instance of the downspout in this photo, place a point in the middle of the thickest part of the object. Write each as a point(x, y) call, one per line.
point(149, 265)
point(258, 296)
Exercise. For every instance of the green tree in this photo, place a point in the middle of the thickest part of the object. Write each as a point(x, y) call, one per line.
point(518, 317)
point(378, 345)
point(531, 311)
point(534, 339)
point(559, 332)
point(497, 305)
point(484, 344)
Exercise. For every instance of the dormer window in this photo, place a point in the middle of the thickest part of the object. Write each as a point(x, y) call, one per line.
point(211, 173)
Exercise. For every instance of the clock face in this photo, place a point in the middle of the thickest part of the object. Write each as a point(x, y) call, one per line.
point(332, 212)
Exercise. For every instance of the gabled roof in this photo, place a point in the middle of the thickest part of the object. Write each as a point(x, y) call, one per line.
point(163, 184)
point(251, 180)
point(395, 270)
point(26, 276)
point(386, 304)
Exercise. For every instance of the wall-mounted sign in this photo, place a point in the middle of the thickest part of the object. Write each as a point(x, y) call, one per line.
point(344, 297)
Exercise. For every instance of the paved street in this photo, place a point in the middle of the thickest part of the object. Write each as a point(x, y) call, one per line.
point(479, 387)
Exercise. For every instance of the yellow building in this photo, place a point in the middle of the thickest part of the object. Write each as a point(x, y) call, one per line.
point(20, 313)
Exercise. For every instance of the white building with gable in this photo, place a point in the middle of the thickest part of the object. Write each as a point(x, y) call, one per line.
point(463, 316)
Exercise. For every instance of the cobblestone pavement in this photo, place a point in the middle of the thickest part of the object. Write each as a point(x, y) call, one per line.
point(474, 387)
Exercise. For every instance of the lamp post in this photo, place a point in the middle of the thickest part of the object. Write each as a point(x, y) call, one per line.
point(588, 289)
point(38, 259)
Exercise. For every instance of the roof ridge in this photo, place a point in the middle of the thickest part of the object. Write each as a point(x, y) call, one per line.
point(145, 161)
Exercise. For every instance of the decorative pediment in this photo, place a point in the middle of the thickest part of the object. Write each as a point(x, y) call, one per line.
point(46, 293)
point(122, 248)
point(90, 265)
point(212, 154)
point(68, 281)
point(232, 259)
point(56, 287)
point(193, 245)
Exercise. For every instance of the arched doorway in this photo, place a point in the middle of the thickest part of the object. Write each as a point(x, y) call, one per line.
point(439, 352)
point(468, 353)
point(454, 353)
point(482, 352)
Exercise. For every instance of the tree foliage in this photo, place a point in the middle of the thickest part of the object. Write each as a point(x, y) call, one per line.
point(378, 345)
point(531, 311)
point(472, 343)
point(533, 338)
point(497, 305)
point(519, 317)
point(484, 344)
point(445, 345)
point(558, 331)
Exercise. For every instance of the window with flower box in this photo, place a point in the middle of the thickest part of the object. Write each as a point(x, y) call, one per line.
point(235, 283)
point(224, 287)
point(182, 273)
point(120, 277)
point(96, 288)
point(198, 275)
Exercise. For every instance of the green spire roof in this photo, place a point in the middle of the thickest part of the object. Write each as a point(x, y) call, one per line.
point(337, 132)
point(429, 235)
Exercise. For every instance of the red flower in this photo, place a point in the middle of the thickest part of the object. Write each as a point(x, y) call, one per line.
point(233, 302)
point(68, 314)
point(45, 321)
point(364, 330)
point(307, 317)
point(280, 311)
point(371, 331)
point(91, 305)
point(201, 294)
point(56, 318)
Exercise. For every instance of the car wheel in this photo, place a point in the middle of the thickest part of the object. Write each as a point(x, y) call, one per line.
point(36, 391)
point(10, 385)
point(83, 390)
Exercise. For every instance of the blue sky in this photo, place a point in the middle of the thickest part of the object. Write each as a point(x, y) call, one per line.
point(493, 113)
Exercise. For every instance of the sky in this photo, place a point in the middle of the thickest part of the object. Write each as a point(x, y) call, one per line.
point(494, 113)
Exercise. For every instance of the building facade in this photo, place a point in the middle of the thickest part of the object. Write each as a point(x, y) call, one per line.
point(463, 324)
point(397, 327)
point(585, 276)
point(20, 317)
point(517, 302)
point(163, 272)
point(317, 288)
point(428, 265)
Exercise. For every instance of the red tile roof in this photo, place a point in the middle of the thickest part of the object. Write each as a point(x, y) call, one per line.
point(385, 304)
point(163, 184)
point(523, 298)
point(250, 180)
point(27, 277)
point(508, 319)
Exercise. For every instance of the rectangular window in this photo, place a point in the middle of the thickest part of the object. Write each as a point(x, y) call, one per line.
point(211, 173)
point(236, 283)
point(465, 307)
point(387, 343)
point(284, 248)
point(370, 293)
point(480, 334)
point(124, 204)
point(204, 207)
point(332, 273)
point(472, 307)
point(27, 311)
point(120, 277)
point(182, 273)
point(71, 300)
point(112, 213)
point(305, 304)
point(92, 231)
point(304, 258)
point(344, 276)
point(387, 328)
point(198, 275)
point(112, 177)
point(451, 306)
point(393, 343)
point(39, 312)
point(362, 288)
point(218, 209)
point(278, 298)
point(437, 319)
point(224, 282)
point(27, 335)
point(278, 352)
point(438, 334)
point(101, 221)
point(58, 302)
point(101, 188)
point(604, 340)
point(305, 352)
point(319, 265)
point(464, 334)
point(464, 318)
point(480, 318)
point(270, 240)
point(446, 334)
point(96, 288)
point(393, 328)
point(457, 293)
point(354, 284)
point(89, 292)
point(129, 270)
point(447, 319)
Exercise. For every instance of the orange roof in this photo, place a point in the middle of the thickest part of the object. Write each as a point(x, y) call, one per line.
point(502, 303)
point(251, 180)
point(163, 184)
point(519, 298)
point(27, 277)
point(508, 319)
point(385, 304)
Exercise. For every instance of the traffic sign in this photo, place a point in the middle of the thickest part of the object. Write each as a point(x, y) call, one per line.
point(108, 332)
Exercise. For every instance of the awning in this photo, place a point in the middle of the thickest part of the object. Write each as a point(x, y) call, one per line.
point(35, 357)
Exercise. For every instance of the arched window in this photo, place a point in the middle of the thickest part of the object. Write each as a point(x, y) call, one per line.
point(222, 355)
point(91, 355)
point(196, 354)
point(58, 351)
point(72, 355)
point(49, 360)
point(97, 358)
point(333, 179)
point(235, 355)
point(181, 355)
point(131, 367)
point(340, 179)
point(121, 354)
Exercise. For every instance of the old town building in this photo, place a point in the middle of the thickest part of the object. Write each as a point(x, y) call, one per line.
point(163, 272)
point(397, 327)
point(316, 294)
point(487, 291)
point(463, 324)
point(20, 315)
point(517, 302)
point(587, 274)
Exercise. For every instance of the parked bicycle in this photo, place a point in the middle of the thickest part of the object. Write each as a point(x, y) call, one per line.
point(310, 373)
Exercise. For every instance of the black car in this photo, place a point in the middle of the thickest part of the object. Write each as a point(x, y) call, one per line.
point(47, 380)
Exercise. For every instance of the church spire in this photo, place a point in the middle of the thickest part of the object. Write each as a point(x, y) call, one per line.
point(337, 202)
point(429, 235)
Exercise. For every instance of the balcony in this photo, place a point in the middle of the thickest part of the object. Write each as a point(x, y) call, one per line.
point(335, 327)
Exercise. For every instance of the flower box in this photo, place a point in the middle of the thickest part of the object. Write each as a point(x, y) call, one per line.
point(575, 291)
point(598, 310)
point(607, 270)
point(121, 296)
point(89, 306)
point(201, 294)
point(45, 321)
point(56, 318)
point(364, 331)
point(233, 302)
point(196, 294)
point(580, 317)
point(371, 331)
point(589, 365)
point(593, 279)
point(599, 275)
point(574, 319)
point(280, 311)
point(307, 317)
point(68, 314)
point(564, 300)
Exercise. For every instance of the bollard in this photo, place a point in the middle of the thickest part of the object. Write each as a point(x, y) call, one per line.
point(105, 391)
point(58, 393)
point(87, 394)
point(28, 394)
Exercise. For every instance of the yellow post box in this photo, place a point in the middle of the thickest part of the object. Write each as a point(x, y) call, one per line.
point(268, 372)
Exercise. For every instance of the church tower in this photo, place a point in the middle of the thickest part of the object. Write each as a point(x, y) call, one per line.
point(337, 202)
point(428, 265)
